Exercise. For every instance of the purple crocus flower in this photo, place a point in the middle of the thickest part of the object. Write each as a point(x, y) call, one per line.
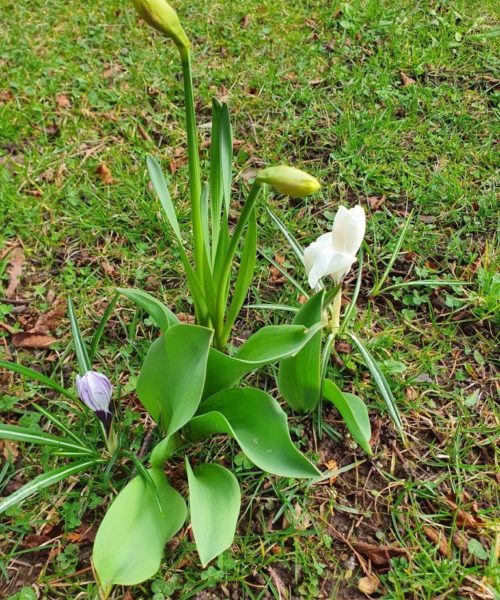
point(94, 390)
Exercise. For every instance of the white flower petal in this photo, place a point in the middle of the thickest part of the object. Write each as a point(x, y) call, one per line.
point(349, 229)
point(317, 259)
point(339, 265)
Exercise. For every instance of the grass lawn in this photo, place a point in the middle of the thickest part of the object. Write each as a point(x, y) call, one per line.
point(391, 104)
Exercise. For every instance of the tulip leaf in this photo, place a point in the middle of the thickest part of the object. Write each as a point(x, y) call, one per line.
point(259, 425)
point(214, 504)
point(45, 480)
point(354, 412)
point(161, 314)
point(172, 378)
point(270, 344)
point(245, 275)
point(299, 377)
point(161, 188)
point(131, 538)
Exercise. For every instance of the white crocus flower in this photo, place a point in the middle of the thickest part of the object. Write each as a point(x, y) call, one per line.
point(333, 254)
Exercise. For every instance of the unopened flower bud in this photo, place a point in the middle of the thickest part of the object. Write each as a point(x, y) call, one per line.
point(290, 181)
point(160, 15)
point(94, 390)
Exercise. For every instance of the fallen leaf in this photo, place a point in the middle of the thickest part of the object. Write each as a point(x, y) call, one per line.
point(279, 583)
point(245, 22)
point(379, 555)
point(33, 540)
point(112, 70)
point(84, 533)
point(438, 538)
point(375, 202)
point(128, 596)
point(16, 261)
point(10, 450)
point(405, 80)
point(63, 101)
point(105, 174)
point(368, 585)
point(51, 319)
point(6, 96)
point(32, 339)
point(463, 518)
point(185, 318)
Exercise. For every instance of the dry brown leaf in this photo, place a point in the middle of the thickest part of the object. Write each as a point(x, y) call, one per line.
point(15, 270)
point(185, 318)
point(84, 533)
point(112, 70)
point(405, 80)
point(105, 174)
point(438, 538)
point(10, 450)
point(464, 518)
point(63, 101)
point(6, 96)
point(379, 555)
point(368, 585)
point(51, 319)
point(34, 540)
point(279, 583)
point(375, 202)
point(32, 339)
point(245, 22)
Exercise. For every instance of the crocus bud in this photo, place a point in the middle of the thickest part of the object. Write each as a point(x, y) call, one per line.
point(334, 253)
point(290, 181)
point(94, 390)
point(160, 15)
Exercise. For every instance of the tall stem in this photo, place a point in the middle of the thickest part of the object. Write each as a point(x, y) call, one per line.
point(194, 161)
point(335, 312)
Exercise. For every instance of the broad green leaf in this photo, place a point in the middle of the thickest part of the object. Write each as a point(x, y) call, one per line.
point(161, 188)
point(80, 348)
point(131, 538)
point(245, 275)
point(214, 504)
point(380, 381)
point(259, 425)
point(172, 377)
point(30, 436)
point(354, 412)
point(270, 344)
point(161, 314)
point(45, 480)
point(299, 377)
point(36, 376)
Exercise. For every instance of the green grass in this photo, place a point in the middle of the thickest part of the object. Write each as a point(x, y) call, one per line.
point(319, 85)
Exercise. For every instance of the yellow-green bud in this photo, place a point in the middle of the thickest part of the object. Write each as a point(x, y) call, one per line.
point(160, 15)
point(290, 181)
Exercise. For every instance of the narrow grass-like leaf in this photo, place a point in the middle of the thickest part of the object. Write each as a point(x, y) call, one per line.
point(226, 154)
point(286, 274)
point(46, 480)
point(377, 287)
point(60, 425)
point(426, 282)
point(353, 411)
point(214, 505)
point(294, 244)
point(161, 314)
point(131, 538)
point(80, 348)
point(273, 307)
point(259, 425)
point(36, 376)
point(216, 192)
point(380, 381)
point(30, 436)
point(96, 338)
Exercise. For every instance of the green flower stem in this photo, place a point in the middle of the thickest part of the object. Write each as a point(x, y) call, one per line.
point(194, 161)
point(335, 312)
point(223, 283)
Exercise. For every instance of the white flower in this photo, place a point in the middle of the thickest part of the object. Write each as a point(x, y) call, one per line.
point(94, 389)
point(334, 253)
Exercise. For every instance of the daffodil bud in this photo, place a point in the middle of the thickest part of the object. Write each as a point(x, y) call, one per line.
point(333, 253)
point(94, 390)
point(290, 181)
point(160, 15)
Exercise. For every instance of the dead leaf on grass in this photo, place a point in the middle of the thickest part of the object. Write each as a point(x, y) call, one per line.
point(105, 174)
point(15, 270)
point(375, 202)
point(368, 585)
point(51, 319)
point(63, 101)
point(32, 339)
point(6, 96)
point(245, 22)
point(379, 555)
point(112, 70)
point(406, 80)
point(438, 538)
